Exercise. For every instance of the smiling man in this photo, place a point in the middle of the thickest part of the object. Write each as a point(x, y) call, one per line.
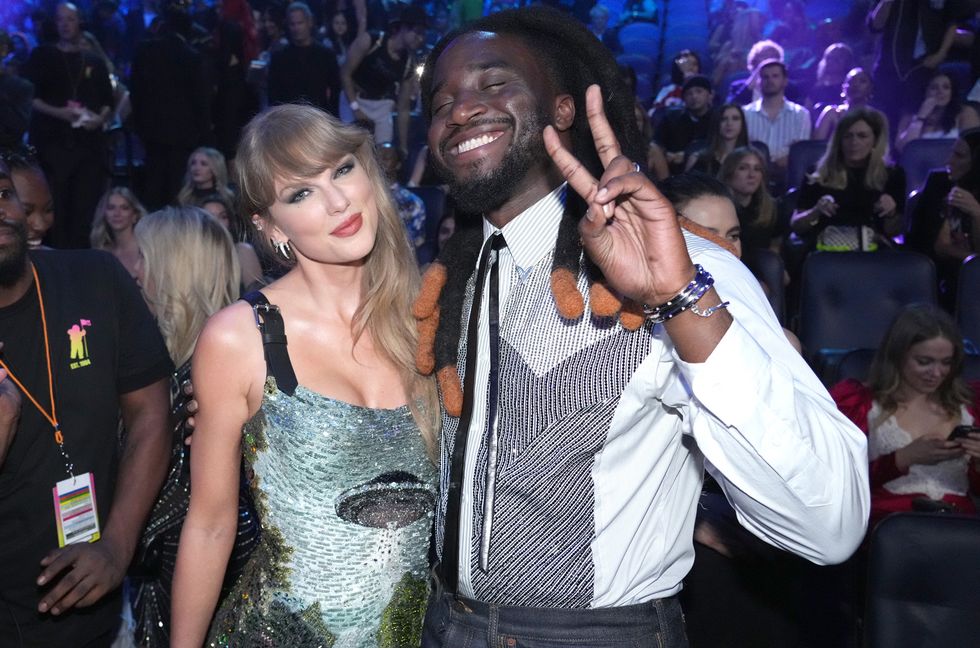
point(577, 425)
point(73, 499)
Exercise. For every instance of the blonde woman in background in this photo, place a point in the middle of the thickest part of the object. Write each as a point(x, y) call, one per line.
point(113, 226)
point(188, 270)
point(207, 173)
point(338, 426)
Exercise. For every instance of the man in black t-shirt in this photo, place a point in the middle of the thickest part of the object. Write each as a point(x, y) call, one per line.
point(106, 359)
point(72, 102)
point(682, 126)
point(304, 70)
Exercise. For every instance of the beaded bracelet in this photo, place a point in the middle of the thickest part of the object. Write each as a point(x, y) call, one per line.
point(684, 300)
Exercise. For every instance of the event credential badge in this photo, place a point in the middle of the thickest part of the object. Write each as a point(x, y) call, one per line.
point(75, 510)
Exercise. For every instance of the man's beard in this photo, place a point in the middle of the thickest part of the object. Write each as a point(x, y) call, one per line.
point(13, 262)
point(489, 189)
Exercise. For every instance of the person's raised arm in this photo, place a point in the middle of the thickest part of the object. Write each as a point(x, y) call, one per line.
point(632, 234)
point(227, 371)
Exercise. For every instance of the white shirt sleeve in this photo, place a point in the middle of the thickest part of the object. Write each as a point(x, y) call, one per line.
point(794, 468)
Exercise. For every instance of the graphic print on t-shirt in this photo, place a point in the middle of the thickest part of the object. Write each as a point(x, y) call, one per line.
point(78, 345)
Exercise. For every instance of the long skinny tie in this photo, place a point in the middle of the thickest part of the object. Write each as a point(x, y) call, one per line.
point(450, 545)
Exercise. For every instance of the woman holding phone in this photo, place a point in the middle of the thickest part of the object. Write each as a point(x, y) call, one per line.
point(914, 399)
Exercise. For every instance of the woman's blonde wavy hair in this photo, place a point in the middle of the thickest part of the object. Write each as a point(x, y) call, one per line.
point(220, 170)
point(101, 236)
point(191, 265)
point(832, 172)
point(298, 141)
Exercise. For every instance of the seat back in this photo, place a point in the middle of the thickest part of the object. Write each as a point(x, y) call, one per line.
point(767, 266)
point(920, 156)
point(435, 205)
point(848, 299)
point(803, 158)
point(923, 581)
point(968, 301)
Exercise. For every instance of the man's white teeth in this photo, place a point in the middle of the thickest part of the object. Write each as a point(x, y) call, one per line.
point(471, 144)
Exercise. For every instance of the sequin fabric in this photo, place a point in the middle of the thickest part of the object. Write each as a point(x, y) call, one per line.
point(345, 495)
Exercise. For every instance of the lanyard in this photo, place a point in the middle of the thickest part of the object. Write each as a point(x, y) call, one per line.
point(53, 416)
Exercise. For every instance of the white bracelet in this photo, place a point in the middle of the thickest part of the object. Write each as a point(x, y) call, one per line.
point(708, 312)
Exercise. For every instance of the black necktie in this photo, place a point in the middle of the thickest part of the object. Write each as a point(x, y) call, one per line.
point(450, 544)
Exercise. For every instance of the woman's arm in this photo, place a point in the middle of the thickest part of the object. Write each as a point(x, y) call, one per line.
point(224, 372)
point(825, 123)
point(804, 220)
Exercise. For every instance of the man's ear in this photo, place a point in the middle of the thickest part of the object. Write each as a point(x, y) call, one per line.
point(564, 112)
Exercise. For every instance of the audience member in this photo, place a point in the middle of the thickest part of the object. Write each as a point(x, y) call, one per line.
point(207, 173)
point(305, 71)
point(60, 573)
point(600, 27)
point(73, 100)
point(837, 61)
point(121, 107)
point(686, 64)
point(113, 226)
point(947, 214)
point(914, 397)
point(774, 120)
point(856, 92)
point(410, 207)
point(744, 173)
point(187, 272)
point(916, 37)
point(218, 207)
point(854, 200)
point(727, 133)
point(35, 197)
point(344, 396)
point(379, 75)
point(171, 104)
point(940, 115)
point(339, 37)
point(744, 91)
point(746, 33)
point(234, 46)
point(682, 127)
point(16, 95)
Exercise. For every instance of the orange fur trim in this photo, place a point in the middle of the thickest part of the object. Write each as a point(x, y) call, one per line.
point(602, 301)
point(631, 316)
point(425, 352)
point(568, 299)
point(433, 282)
point(452, 391)
point(705, 233)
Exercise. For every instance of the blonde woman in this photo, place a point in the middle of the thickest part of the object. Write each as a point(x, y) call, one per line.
point(744, 173)
point(188, 270)
point(207, 174)
point(113, 226)
point(855, 199)
point(338, 426)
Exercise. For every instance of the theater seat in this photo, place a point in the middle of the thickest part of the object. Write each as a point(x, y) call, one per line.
point(803, 158)
point(920, 156)
point(968, 302)
point(767, 266)
point(848, 300)
point(924, 582)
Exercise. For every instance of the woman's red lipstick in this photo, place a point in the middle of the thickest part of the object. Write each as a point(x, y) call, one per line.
point(350, 226)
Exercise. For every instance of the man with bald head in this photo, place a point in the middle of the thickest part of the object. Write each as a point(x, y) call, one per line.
point(72, 102)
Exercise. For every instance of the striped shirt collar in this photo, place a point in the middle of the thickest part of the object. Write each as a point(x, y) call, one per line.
point(532, 233)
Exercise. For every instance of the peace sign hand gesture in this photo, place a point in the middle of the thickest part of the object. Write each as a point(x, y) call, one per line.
point(630, 231)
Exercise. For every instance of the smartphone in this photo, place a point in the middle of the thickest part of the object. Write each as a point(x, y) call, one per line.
point(961, 431)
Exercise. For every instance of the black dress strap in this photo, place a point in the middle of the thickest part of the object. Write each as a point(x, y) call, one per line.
point(269, 322)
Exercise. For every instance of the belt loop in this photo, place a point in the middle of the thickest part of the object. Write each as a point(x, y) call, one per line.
point(493, 618)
